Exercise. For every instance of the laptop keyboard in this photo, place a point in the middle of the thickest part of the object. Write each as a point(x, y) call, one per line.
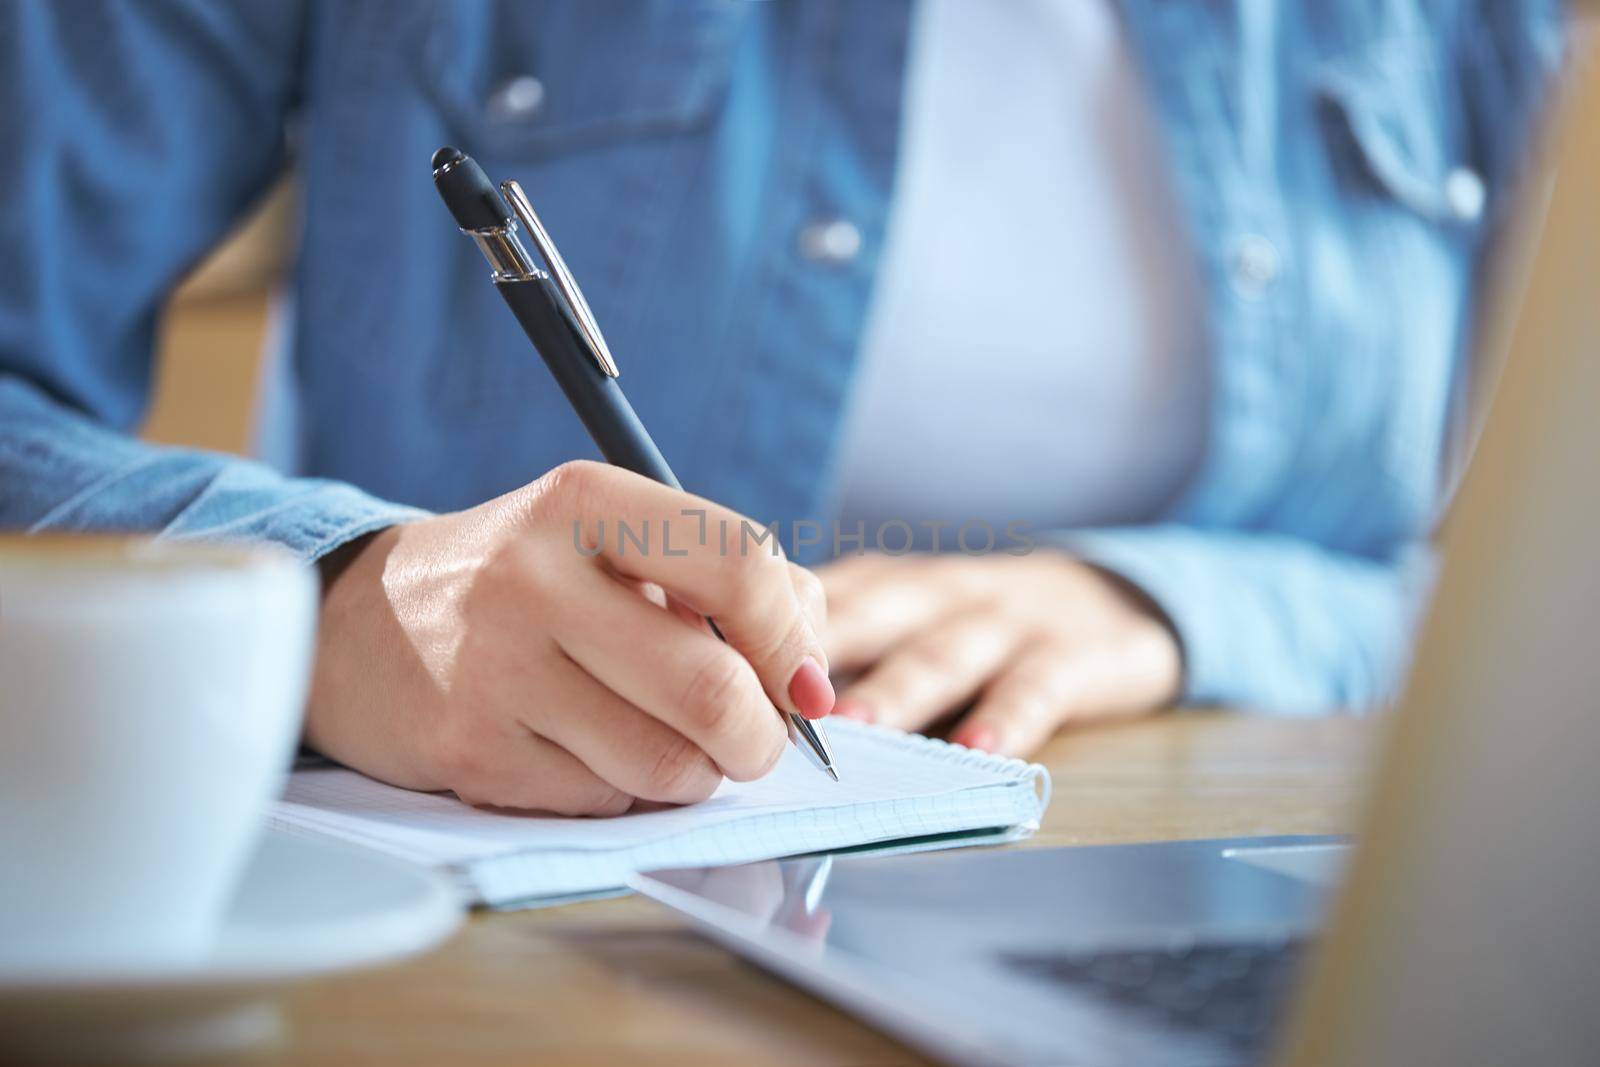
point(1233, 992)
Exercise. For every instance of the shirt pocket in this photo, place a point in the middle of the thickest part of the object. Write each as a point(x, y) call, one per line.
point(519, 78)
point(1390, 134)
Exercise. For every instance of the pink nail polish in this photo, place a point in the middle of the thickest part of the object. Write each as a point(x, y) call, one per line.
point(811, 691)
point(851, 708)
point(978, 737)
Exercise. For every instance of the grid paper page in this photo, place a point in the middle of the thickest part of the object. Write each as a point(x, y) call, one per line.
point(886, 774)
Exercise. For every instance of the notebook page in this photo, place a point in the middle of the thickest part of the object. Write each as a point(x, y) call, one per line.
point(879, 768)
point(1007, 809)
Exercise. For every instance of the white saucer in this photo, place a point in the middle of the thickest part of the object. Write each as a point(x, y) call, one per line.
point(307, 907)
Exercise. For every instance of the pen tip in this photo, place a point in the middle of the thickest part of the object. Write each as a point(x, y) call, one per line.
point(832, 773)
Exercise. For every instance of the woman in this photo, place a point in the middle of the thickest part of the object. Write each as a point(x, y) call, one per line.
point(1177, 292)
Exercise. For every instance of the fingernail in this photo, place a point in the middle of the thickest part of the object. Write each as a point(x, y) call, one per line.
point(851, 708)
point(811, 691)
point(980, 737)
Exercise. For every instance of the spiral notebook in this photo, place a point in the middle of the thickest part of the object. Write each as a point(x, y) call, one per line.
point(899, 792)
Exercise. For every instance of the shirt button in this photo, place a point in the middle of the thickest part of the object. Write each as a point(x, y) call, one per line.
point(1464, 192)
point(517, 99)
point(834, 242)
point(1255, 265)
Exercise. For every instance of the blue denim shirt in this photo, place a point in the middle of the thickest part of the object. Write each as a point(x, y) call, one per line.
point(1340, 166)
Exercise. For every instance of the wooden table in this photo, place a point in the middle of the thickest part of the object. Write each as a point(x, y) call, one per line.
point(624, 982)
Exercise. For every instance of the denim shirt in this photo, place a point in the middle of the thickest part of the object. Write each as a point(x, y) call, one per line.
point(1340, 166)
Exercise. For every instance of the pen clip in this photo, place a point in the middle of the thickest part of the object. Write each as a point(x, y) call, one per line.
point(561, 276)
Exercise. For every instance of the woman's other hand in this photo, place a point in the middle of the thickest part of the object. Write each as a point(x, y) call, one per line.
point(1030, 642)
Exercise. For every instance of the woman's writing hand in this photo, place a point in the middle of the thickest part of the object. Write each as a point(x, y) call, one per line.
point(495, 653)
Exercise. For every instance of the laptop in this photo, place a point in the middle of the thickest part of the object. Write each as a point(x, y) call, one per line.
point(1462, 929)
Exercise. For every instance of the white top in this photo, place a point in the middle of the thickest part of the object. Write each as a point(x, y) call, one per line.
point(1034, 350)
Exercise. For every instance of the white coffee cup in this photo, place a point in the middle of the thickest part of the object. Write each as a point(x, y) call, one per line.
point(150, 701)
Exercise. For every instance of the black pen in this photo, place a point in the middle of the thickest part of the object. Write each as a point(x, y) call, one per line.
point(557, 319)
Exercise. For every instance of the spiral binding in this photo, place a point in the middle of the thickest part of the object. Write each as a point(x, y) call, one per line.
point(960, 755)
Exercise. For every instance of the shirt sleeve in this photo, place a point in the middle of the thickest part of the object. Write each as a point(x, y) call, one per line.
point(138, 134)
point(60, 470)
point(1268, 621)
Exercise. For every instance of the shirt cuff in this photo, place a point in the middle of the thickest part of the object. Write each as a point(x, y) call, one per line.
point(1266, 622)
point(311, 519)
